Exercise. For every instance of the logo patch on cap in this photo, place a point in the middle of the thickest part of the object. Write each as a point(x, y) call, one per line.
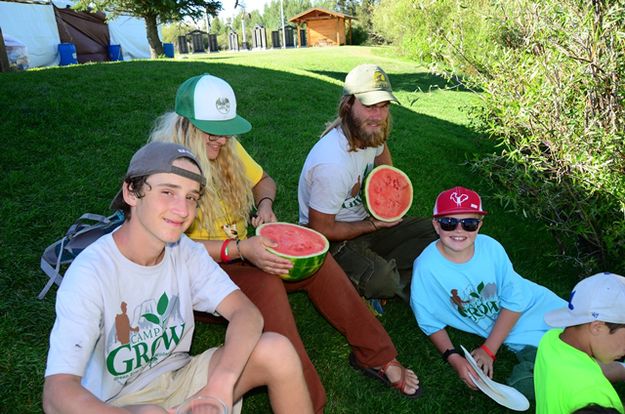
point(458, 198)
point(223, 105)
point(379, 80)
point(571, 306)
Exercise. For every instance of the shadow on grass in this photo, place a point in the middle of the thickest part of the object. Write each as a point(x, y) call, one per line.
point(68, 134)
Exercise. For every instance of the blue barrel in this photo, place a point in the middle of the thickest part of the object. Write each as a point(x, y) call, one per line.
point(67, 52)
point(168, 48)
point(115, 53)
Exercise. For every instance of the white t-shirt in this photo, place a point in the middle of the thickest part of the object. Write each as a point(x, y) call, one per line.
point(119, 325)
point(332, 178)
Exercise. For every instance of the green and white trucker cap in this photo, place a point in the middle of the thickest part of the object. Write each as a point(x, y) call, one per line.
point(209, 104)
point(370, 84)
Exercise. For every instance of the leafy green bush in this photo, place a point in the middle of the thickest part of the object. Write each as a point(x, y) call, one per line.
point(554, 102)
point(551, 77)
point(453, 33)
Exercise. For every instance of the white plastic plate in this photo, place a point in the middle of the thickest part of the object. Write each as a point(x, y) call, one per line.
point(500, 393)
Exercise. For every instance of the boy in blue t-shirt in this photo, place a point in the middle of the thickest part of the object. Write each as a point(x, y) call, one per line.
point(466, 281)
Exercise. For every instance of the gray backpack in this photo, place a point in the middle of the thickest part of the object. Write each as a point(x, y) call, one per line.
point(87, 229)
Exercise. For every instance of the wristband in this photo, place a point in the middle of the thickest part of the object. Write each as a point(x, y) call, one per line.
point(239, 250)
point(375, 228)
point(223, 254)
point(488, 352)
point(449, 353)
point(263, 199)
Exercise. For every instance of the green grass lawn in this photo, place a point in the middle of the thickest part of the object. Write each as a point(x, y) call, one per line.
point(68, 134)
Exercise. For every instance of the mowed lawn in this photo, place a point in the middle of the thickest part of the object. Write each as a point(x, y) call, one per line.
point(68, 134)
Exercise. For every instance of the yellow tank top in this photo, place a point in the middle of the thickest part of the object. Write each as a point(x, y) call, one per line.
point(221, 229)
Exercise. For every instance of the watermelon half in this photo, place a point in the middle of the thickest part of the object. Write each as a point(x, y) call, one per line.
point(304, 247)
point(388, 193)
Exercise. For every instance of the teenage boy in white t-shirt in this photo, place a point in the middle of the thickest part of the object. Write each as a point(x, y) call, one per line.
point(124, 324)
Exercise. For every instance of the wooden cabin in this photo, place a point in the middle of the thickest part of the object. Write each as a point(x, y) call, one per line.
point(323, 27)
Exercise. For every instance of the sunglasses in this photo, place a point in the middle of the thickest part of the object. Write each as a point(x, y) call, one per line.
point(451, 223)
point(213, 138)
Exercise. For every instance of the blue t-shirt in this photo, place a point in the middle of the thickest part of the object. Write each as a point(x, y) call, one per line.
point(469, 296)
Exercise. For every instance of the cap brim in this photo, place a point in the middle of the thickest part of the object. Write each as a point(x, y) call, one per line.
point(375, 97)
point(461, 211)
point(235, 126)
point(562, 318)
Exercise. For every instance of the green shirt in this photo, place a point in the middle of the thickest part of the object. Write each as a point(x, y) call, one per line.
point(566, 379)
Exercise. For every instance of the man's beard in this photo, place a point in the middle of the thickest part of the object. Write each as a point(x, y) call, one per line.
point(366, 139)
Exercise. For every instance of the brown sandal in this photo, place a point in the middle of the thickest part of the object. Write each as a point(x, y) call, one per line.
point(380, 374)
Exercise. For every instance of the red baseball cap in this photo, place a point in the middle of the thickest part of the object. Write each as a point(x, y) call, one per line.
point(458, 200)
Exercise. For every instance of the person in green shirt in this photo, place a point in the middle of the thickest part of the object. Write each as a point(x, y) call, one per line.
point(576, 362)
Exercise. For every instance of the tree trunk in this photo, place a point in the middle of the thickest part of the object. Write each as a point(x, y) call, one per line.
point(156, 47)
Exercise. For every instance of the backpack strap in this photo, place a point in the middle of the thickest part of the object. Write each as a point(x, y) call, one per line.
point(87, 217)
point(61, 252)
point(52, 272)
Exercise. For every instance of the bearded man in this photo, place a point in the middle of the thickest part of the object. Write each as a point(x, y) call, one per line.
point(377, 256)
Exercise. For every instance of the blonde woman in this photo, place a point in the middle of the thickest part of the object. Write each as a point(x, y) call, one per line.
point(206, 121)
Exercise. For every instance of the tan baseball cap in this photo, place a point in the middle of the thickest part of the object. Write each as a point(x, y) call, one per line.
point(370, 84)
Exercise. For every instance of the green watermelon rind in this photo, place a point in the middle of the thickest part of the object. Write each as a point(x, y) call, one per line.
point(366, 190)
point(303, 266)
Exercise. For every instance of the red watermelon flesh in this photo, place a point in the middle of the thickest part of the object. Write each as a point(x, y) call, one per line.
point(294, 240)
point(388, 193)
point(304, 247)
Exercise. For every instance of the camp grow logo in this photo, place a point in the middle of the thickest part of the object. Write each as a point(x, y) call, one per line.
point(151, 342)
point(480, 303)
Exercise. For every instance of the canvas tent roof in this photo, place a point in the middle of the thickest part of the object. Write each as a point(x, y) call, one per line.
point(34, 24)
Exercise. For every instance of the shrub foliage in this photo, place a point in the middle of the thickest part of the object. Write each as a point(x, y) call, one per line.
point(551, 75)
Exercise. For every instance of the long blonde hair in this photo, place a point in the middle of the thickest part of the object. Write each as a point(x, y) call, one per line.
point(228, 193)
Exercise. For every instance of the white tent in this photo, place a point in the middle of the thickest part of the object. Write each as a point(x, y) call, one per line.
point(129, 32)
point(34, 25)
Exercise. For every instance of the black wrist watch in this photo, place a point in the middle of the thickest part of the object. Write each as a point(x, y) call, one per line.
point(449, 352)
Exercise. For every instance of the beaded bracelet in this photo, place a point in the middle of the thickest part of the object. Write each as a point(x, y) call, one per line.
point(239, 250)
point(223, 254)
point(490, 353)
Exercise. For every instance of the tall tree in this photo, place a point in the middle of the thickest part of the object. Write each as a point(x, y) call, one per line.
point(154, 12)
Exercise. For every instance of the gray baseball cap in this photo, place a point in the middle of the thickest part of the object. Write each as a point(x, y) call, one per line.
point(370, 84)
point(158, 157)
